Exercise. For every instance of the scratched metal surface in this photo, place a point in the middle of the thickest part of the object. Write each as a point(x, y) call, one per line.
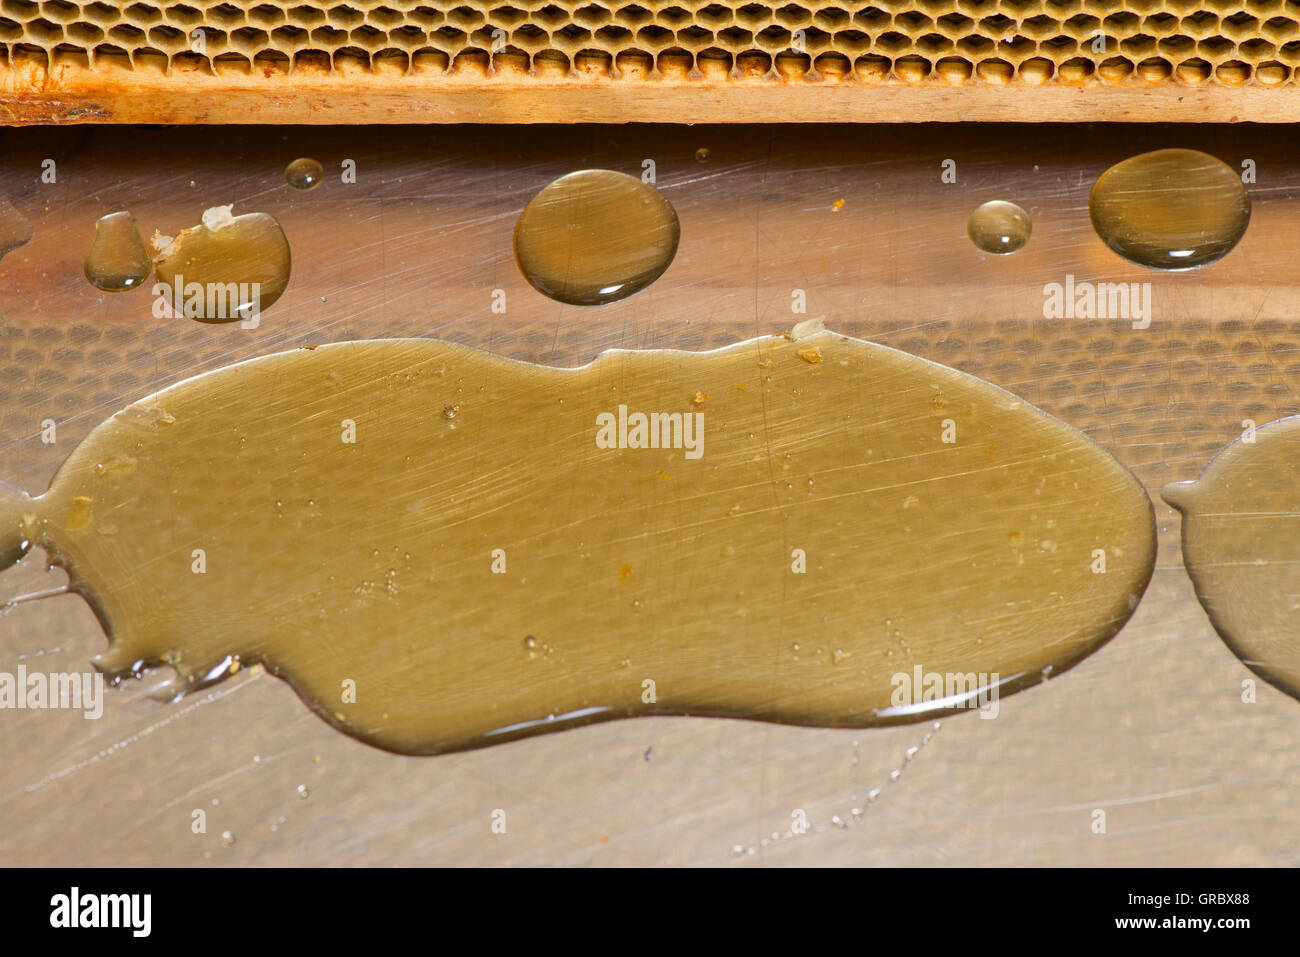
point(1151, 729)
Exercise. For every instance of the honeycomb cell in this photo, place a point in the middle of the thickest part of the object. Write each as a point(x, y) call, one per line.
point(164, 38)
point(83, 34)
point(44, 33)
point(60, 11)
point(143, 14)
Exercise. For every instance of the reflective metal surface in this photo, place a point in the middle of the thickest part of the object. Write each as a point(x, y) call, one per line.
point(855, 224)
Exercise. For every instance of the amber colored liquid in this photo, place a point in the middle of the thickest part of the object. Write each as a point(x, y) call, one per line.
point(117, 260)
point(1241, 546)
point(430, 544)
point(1170, 209)
point(999, 227)
point(595, 236)
point(15, 230)
point(305, 173)
point(212, 272)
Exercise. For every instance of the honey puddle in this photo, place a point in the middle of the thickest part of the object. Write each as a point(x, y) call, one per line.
point(227, 267)
point(15, 230)
point(1241, 547)
point(595, 236)
point(117, 260)
point(1170, 209)
point(441, 549)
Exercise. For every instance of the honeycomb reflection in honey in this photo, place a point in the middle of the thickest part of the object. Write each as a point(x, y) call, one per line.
point(1228, 42)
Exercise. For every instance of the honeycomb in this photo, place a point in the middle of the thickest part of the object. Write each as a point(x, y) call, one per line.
point(991, 42)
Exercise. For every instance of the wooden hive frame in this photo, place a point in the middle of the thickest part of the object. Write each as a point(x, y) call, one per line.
point(519, 61)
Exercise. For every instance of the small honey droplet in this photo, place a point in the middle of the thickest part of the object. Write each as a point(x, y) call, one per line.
point(999, 227)
point(304, 173)
point(117, 260)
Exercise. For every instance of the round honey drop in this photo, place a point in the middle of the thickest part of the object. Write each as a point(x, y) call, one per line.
point(595, 236)
point(227, 268)
point(117, 260)
point(999, 227)
point(1170, 209)
point(304, 173)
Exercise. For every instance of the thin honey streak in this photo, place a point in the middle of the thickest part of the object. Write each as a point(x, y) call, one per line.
point(442, 549)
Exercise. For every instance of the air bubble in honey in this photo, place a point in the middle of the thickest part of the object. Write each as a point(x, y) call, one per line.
point(1170, 209)
point(117, 260)
point(595, 236)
